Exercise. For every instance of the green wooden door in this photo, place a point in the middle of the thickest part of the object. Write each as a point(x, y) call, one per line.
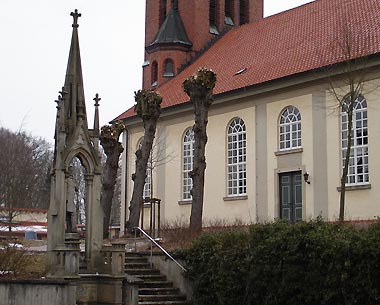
point(291, 196)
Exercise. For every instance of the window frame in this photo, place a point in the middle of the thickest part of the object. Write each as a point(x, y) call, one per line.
point(162, 12)
point(236, 161)
point(213, 17)
point(229, 12)
point(187, 163)
point(154, 72)
point(243, 12)
point(148, 177)
point(358, 171)
point(166, 63)
point(290, 130)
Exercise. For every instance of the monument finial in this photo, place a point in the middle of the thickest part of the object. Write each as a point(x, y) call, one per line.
point(96, 116)
point(75, 15)
point(97, 100)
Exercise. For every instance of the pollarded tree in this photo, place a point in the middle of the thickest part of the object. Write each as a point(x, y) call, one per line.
point(109, 139)
point(199, 88)
point(148, 108)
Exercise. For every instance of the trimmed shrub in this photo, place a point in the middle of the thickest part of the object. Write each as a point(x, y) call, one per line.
point(280, 263)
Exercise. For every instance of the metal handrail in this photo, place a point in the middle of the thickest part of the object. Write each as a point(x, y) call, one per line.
point(158, 246)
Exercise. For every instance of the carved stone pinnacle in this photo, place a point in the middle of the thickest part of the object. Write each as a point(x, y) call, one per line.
point(75, 15)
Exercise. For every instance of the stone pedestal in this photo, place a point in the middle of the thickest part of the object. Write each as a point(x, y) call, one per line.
point(67, 258)
point(114, 257)
point(72, 254)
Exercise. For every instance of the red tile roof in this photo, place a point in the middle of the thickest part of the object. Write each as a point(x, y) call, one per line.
point(295, 41)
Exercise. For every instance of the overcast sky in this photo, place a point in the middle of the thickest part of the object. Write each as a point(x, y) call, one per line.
point(35, 40)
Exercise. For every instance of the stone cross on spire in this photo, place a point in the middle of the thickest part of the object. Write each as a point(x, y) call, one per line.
point(97, 100)
point(75, 15)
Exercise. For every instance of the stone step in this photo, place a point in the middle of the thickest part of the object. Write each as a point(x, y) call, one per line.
point(162, 297)
point(155, 289)
point(137, 265)
point(156, 284)
point(158, 290)
point(135, 259)
point(152, 277)
point(165, 303)
point(144, 271)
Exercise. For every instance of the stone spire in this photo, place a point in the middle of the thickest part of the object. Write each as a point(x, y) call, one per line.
point(96, 130)
point(74, 104)
point(96, 116)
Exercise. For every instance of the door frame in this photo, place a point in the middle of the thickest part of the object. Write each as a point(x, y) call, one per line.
point(277, 173)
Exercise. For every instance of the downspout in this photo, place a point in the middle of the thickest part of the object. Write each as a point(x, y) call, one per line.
point(124, 184)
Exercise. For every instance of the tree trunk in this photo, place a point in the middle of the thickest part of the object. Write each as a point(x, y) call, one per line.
point(142, 157)
point(199, 168)
point(343, 179)
point(112, 148)
point(200, 89)
point(148, 108)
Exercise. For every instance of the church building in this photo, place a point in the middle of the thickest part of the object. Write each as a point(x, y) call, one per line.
point(277, 134)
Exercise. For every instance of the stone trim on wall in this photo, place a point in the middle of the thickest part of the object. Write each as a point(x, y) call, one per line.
point(288, 151)
point(234, 198)
point(356, 187)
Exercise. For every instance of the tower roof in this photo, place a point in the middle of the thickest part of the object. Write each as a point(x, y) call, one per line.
point(172, 31)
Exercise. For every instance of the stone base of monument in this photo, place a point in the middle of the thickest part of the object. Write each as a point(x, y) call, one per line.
point(109, 285)
point(107, 289)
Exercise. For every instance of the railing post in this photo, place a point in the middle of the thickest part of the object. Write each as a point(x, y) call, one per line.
point(154, 218)
point(135, 239)
point(151, 254)
point(142, 215)
point(151, 218)
point(159, 217)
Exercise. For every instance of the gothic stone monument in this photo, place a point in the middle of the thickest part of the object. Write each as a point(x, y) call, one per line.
point(73, 139)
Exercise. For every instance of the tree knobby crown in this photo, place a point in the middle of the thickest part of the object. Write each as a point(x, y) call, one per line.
point(148, 104)
point(112, 132)
point(200, 85)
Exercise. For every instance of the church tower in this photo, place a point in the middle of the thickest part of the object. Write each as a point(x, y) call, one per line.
point(176, 31)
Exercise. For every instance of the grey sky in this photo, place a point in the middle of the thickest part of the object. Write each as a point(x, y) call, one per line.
point(35, 45)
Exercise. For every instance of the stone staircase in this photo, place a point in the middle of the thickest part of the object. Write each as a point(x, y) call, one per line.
point(156, 289)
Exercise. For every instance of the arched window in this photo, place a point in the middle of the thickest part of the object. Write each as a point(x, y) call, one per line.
point(168, 67)
point(236, 158)
point(148, 178)
point(290, 128)
point(162, 13)
point(213, 14)
point(358, 170)
point(228, 12)
point(244, 11)
point(154, 73)
point(187, 163)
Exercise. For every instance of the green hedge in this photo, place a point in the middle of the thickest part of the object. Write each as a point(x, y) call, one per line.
point(279, 263)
